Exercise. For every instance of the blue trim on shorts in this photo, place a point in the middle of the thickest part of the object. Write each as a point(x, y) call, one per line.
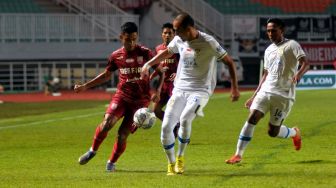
point(166, 147)
point(183, 140)
point(245, 138)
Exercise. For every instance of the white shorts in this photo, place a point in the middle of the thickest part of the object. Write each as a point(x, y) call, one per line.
point(185, 102)
point(278, 106)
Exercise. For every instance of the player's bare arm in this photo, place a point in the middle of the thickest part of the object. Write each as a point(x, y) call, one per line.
point(101, 78)
point(262, 80)
point(303, 69)
point(154, 61)
point(233, 74)
point(156, 95)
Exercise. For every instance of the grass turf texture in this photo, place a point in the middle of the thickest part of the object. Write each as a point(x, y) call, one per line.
point(40, 145)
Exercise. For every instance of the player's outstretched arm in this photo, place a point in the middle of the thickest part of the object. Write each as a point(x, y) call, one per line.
point(101, 78)
point(303, 69)
point(155, 60)
point(233, 74)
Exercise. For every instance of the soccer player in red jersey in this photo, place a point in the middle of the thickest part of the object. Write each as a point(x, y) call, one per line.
point(132, 93)
point(168, 68)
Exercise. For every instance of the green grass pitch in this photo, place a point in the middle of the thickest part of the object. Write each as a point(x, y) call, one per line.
point(40, 144)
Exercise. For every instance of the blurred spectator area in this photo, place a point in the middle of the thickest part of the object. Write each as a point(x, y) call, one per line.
point(69, 39)
point(280, 7)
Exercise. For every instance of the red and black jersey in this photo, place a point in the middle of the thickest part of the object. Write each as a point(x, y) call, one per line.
point(171, 63)
point(129, 65)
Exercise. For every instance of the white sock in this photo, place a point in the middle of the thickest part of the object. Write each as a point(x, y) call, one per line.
point(286, 132)
point(168, 139)
point(183, 137)
point(245, 137)
point(170, 153)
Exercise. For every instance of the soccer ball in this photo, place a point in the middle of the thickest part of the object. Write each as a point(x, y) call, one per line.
point(144, 118)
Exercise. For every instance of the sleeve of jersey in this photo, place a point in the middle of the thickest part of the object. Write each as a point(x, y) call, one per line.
point(297, 50)
point(172, 46)
point(266, 61)
point(218, 49)
point(111, 66)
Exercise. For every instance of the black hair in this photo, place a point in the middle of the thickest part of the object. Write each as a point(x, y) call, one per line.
point(129, 27)
point(277, 22)
point(167, 25)
point(186, 20)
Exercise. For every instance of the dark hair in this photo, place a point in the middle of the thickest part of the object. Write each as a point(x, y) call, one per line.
point(186, 20)
point(129, 27)
point(277, 22)
point(167, 25)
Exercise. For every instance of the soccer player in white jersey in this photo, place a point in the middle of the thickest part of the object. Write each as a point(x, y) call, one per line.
point(276, 90)
point(194, 83)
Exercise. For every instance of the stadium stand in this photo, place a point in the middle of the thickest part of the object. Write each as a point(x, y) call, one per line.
point(70, 39)
point(260, 7)
point(20, 6)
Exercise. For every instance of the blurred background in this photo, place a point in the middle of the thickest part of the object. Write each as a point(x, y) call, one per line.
point(71, 39)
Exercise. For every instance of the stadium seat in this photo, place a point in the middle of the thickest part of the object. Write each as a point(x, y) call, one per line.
point(266, 7)
point(19, 6)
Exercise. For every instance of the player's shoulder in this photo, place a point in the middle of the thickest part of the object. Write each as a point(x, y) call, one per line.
point(206, 37)
point(143, 48)
point(160, 47)
point(293, 43)
point(270, 48)
point(117, 52)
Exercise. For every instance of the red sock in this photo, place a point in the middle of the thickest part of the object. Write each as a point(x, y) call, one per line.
point(98, 138)
point(118, 150)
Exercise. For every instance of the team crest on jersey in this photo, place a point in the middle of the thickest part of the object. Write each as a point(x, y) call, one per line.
point(114, 106)
point(140, 59)
point(130, 60)
point(120, 57)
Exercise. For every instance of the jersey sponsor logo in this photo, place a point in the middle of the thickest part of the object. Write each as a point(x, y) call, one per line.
point(132, 79)
point(120, 57)
point(130, 60)
point(130, 70)
point(114, 106)
point(168, 61)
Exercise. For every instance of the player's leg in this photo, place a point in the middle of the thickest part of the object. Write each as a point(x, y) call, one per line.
point(113, 113)
point(159, 113)
point(280, 109)
point(158, 109)
point(119, 145)
point(100, 134)
point(258, 108)
point(173, 111)
point(127, 126)
point(194, 106)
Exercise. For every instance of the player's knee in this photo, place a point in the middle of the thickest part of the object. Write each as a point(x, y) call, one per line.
point(166, 129)
point(106, 126)
point(254, 117)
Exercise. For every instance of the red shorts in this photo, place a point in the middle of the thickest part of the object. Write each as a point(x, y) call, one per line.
point(166, 92)
point(120, 108)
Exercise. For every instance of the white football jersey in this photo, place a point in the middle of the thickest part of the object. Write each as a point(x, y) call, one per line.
point(198, 63)
point(281, 63)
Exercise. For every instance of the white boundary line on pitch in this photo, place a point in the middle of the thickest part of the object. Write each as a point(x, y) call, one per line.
point(49, 121)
